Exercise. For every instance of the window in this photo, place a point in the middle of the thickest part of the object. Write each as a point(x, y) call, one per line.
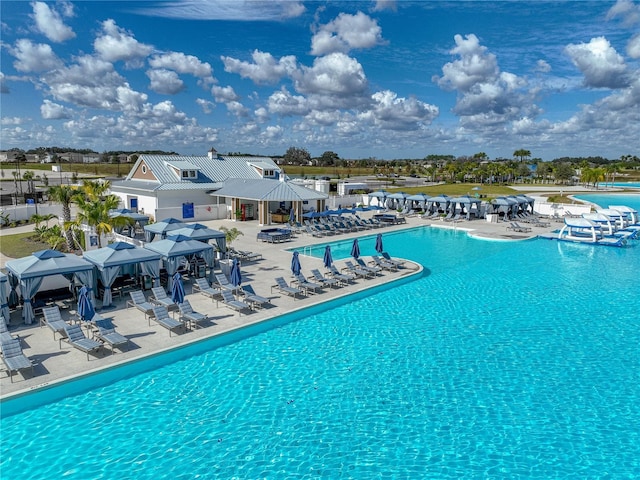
point(144, 169)
point(185, 174)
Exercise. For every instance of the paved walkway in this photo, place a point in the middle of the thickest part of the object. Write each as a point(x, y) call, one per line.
point(55, 362)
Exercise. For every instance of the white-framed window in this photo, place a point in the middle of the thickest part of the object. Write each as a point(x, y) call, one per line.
point(144, 169)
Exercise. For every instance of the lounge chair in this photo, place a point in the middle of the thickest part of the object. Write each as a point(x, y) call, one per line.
point(106, 332)
point(162, 318)
point(382, 263)
point(251, 297)
point(313, 231)
point(51, 318)
point(327, 282)
point(4, 331)
point(228, 300)
point(387, 257)
point(189, 316)
point(160, 297)
point(302, 282)
point(14, 358)
point(202, 286)
point(357, 270)
point(344, 278)
point(373, 268)
point(283, 287)
point(245, 255)
point(139, 301)
point(224, 283)
point(77, 339)
point(516, 227)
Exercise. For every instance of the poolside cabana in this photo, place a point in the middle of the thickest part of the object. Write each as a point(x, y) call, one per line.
point(4, 297)
point(176, 248)
point(396, 200)
point(380, 196)
point(198, 231)
point(161, 228)
point(137, 218)
point(110, 260)
point(526, 203)
point(439, 203)
point(505, 205)
point(420, 199)
point(467, 204)
point(29, 271)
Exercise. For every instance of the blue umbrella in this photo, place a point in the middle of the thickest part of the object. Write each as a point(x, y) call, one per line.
point(355, 249)
point(292, 216)
point(177, 289)
point(235, 276)
point(85, 307)
point(379, 247)
point(328, 260)
point(295, 264)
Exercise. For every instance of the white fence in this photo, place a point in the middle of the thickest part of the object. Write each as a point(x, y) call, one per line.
point(24, 212)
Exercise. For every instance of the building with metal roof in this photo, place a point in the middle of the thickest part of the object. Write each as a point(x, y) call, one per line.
point(213, 186)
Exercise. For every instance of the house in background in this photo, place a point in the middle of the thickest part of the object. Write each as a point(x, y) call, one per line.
point(213, 186)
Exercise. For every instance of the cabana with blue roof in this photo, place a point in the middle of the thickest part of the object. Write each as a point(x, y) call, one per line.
point(29, 272)
point(110, 260)
point(176, 249)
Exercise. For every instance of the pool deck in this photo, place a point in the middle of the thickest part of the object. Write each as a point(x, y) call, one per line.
point(53, 364)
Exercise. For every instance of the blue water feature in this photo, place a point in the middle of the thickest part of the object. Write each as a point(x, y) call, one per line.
point(605, 199)
point(503, 360)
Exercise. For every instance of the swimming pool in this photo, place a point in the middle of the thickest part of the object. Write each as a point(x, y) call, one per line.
point(604, 200)
point(503, 360)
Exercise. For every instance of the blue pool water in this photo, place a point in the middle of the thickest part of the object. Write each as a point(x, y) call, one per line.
point(505, 360)
point(604, 200)
point(620, 184)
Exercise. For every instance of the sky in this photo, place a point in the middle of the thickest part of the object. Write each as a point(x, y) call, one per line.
point(384, 79)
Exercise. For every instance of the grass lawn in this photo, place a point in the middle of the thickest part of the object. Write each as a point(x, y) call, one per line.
point(20, 245)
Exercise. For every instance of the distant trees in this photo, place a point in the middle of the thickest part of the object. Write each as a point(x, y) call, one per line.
point(522, 154)
point(328, 158)
point(564, 172)
point(297, 156)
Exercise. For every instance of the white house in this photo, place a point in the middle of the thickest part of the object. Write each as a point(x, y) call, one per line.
point(213, 186)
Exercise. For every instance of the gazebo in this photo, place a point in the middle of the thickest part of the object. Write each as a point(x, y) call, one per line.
point(162, 228)
point(29, 272)
point(198, 231)
point(136, 217)
point(175, 248)
point(467, 203)
point(109, 261)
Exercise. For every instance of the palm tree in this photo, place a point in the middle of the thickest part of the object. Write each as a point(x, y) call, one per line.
point(522, 154)
point(95, 213)
point(65, 195)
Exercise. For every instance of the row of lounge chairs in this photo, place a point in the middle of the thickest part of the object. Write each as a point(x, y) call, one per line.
point(326, 226)
point(303, 286)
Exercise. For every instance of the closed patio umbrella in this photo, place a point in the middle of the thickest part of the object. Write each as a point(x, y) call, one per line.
point(327, 260)
point(355, 249)
point(379, 247)
point(295, 264)
point(177, 288)
point(235, 276)
point(85, 307)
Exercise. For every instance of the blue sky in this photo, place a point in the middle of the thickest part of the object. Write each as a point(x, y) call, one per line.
point(383, 79)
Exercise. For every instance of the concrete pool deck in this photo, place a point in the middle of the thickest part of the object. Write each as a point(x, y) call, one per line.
point(53, 364)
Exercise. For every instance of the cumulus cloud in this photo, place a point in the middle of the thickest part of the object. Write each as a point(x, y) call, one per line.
point(335, 74)
point(265, 69)
point(116, 44)
point(92, 82)
point(633, 47)
point(345, 33)
point(54, 111)
point(285, 104)
point(484, 92)
point(33, 57)
point(207, 106)
point(542, 66)
point(599, 62)
point(165, 81)
point(395, 113)
point(626, 10)
point(49, 22)
point(228, 96)
point(185, 64)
